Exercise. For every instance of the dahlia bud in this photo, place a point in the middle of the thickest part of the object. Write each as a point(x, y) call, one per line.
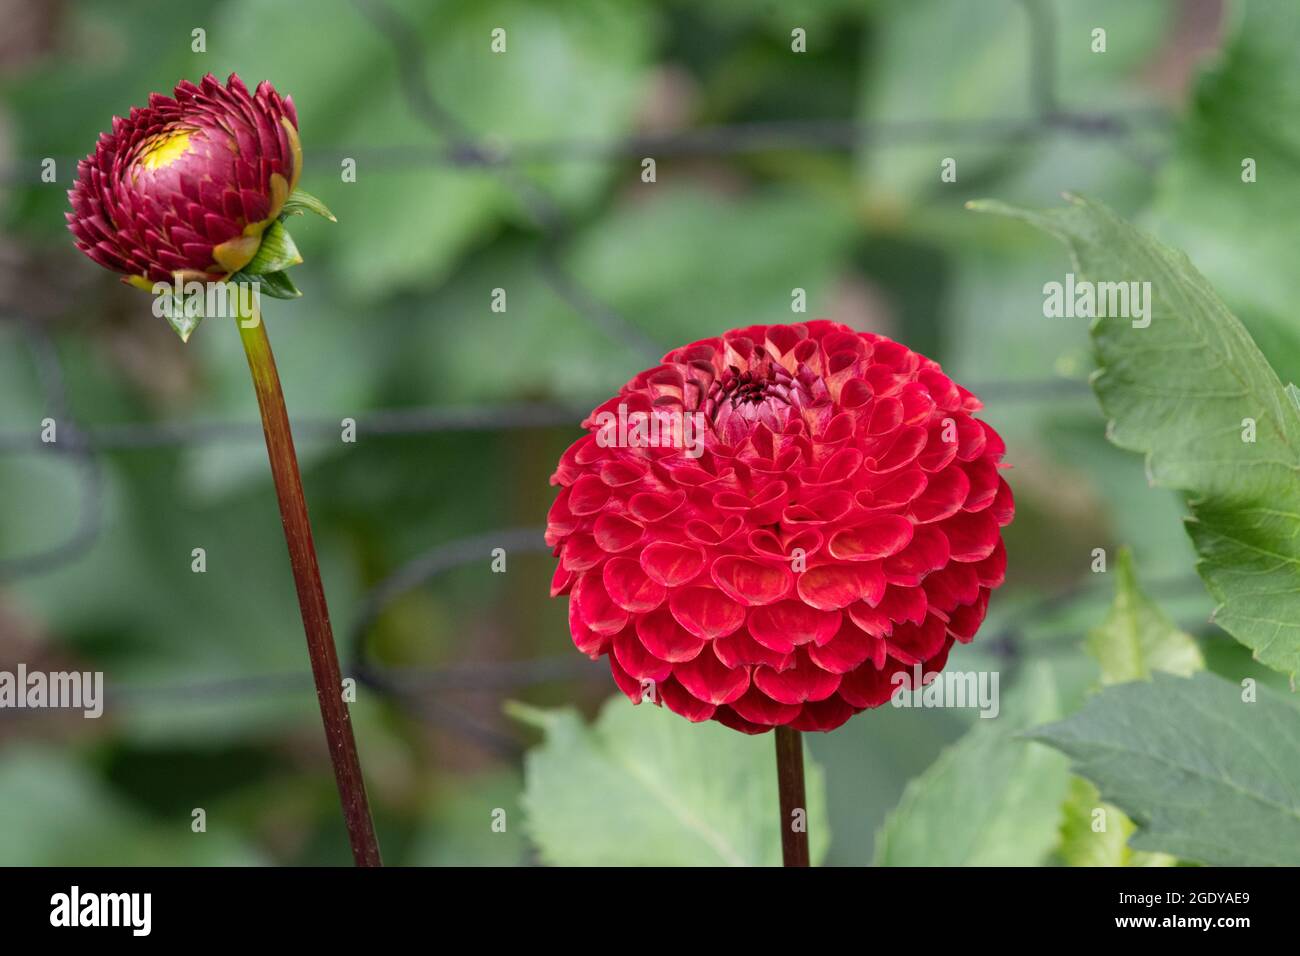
point(779, 526)
point(195, 188)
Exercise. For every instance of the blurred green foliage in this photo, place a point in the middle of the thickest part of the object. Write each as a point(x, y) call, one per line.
point(396, 314)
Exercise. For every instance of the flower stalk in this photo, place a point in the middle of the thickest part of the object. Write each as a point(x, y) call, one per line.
point(311, 594)
point(794, 803)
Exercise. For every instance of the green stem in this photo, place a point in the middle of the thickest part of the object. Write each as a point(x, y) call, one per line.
point(789, 781)
point(311, 595)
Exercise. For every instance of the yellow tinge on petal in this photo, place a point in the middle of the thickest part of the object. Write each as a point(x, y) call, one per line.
point(165, 148)
point(295, 147)
point(236, 253)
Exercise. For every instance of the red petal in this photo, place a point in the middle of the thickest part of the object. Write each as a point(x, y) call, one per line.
point(874, 620)
point(710, 680)
point(824, 509)
point(636, 660)
point(994, 447)
point(913, 643)
point(831, 587)
point(680, 701)
point(927, 552)
point(706, 612)
point(983, 476)
point(650, 507)
point(904, 604)
point(663, 637)
point(561, 581)
point(965, 621)
point(870, 687)
point(628, 684)
point(619, 473)
point(943, 497)
point(584, 638)
point(741, 650)
point(899, 450)
point(787, 624)
point(630, 588)
point(805, 681)
point(848, 649)
point(939, 453)
point(896, 490)
point(580, 553)
point(823, 715)
point(972, 438)
point(1003, 508)
point(588, 495)
point(560, 521)
point(614, 533)
point(844, 464)
point(757, 708)
point(952, 585)
point(972, 535)
point(729, 718)
point(878, 537)
point(704, 532)
point(672, 565)
point(992, 571)
point(750, 582)
point(595, 608)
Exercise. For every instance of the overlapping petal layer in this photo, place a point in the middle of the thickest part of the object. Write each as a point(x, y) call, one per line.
point(187, 184)
point(770, 526)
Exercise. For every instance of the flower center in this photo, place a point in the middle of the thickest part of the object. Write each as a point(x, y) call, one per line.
point(164, 148)
point(753, 387)
point(740, 400)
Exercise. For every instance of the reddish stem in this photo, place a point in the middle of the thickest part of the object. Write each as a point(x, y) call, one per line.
point(794, 805)
point(311, 595)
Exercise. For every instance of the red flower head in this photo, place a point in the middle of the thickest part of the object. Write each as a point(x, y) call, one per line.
point(769, 526)
point(187, 185)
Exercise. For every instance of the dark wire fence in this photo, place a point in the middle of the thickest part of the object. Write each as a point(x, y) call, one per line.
point(420, 690)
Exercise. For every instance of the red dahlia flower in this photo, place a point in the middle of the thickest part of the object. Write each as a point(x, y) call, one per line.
point(769, 526)
point(187, 185)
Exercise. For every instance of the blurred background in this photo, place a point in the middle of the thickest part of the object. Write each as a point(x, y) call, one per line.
point(775, 170)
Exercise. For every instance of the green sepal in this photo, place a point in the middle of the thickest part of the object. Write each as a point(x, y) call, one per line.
point(276, 253)
point(278, 285)
point(301, 201)
point(173, 310)
point(184, 312)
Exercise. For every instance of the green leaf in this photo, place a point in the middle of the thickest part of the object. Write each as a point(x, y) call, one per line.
point(276, 253)
point(644, 787)
point(278, 285)
point(1246, 105)
point(1181, 391)
point(1137, 638)
point(1206, 775)
point(991, 799)
point(1094, 833)
point(302, 201)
